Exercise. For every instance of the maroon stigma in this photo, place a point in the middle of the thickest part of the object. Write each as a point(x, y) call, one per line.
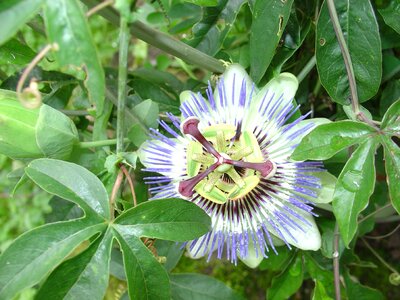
point(265, 168)
point(186, 187)
point(191, 126)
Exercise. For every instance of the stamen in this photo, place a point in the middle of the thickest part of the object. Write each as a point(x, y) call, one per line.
point(190, 126)
point(186, 187)
point(265, 168)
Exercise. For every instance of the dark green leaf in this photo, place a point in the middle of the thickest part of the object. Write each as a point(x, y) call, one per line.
point(168, 219)
point(217, 21)
point(319, 292)
point(62, 210)
point(391, 120)
point(392, 165)
point(360, 28)
point(390, 94)
point(328, 139)
point(67, 26)
point(14, 52)
point(146, 278)
point(288, 282)
point(277, 262)
point(355, 290)
point(391, 15)
point(71, 182)
point(37, 252)
point(320, 274)
point(269, 16)
point(14, 14)
point(172, 252)
point(355, 185)
point(204, 2)
point(84, 276)
point(147, 111)
point(199, 287)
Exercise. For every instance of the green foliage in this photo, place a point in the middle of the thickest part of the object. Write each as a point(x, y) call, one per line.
point(76, 220)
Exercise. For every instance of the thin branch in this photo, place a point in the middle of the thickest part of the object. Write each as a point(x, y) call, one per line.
point(307, 68)
point(374, 212)
point(114, 192)
point(164, 41)
point(336, 266)
point(379, 257)
point(101, 143)
point(346, 56)
point(131, 185)
point(122, 76)
point(99, 7)
point(29, 69)
point(383, 236)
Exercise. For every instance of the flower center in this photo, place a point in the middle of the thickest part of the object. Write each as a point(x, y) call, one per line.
point(222, 167)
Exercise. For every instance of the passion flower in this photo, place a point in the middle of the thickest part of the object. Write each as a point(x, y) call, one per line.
point(230, 155)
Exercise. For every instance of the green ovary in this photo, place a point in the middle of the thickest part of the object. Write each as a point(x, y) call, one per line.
point(226, 182)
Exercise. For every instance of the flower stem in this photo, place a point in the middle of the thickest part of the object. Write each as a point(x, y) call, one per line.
point(122, 76)
point(163, 41)
point(307, 68)
point(336, 266)
point(346, 56)
point(101, 143)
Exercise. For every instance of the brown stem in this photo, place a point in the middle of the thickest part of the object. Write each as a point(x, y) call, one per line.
point(98, 7)
point(336, 266)
point(129, 178)
point(115, 189)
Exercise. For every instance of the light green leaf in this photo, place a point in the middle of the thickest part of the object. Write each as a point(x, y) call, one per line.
point(210, 33)
point(356, 290)
point(71, 182)
point(84, 276)
point(328, 139)
point(360, 28)
point(319, 292)
point(355, 185)
point(14, 14)
point(67, 26)
point(391, 15)
point(147, 111)
point(37, 252)
point(168, 219)
point(147, 279)
point(392, 165)
point(288, 282)
point(199, 287)
point(203, 2)
point(269, 16)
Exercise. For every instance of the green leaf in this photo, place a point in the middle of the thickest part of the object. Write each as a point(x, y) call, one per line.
point(169, 219)
point(328, 139)
point(62, 210)
point(14, 14)
point(67, 26)
point(392, 165)
point(288, 282)
point(199, 287)
point(34, 254)
point(146, 278)
point(320, 274)
point(56, 134)
point(355, 290)
point(14, 52)
point(210, 33)
point(360, 28)
point(71, 182)
point(84, 276)
point(147, 111)
point(355, 185)
point(203, 2)
point(390, 94)
point(172, 252)
point(269, 16)
point(391, 120)
point(277, 262)
point(319, 292)
point(391, 15)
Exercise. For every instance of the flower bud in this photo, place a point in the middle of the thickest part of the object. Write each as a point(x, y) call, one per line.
point(33, 133)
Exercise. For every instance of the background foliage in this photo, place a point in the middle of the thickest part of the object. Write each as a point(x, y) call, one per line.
point(80, 144)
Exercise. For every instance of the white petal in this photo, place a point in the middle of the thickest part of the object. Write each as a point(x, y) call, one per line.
point(284, 144)
point(198, 250)
point(310, 239)
point(277, 94)
point(252, 260)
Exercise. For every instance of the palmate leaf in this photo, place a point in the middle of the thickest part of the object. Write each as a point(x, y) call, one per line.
point(37, 252)
point(354, 187)
point(84, 276)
